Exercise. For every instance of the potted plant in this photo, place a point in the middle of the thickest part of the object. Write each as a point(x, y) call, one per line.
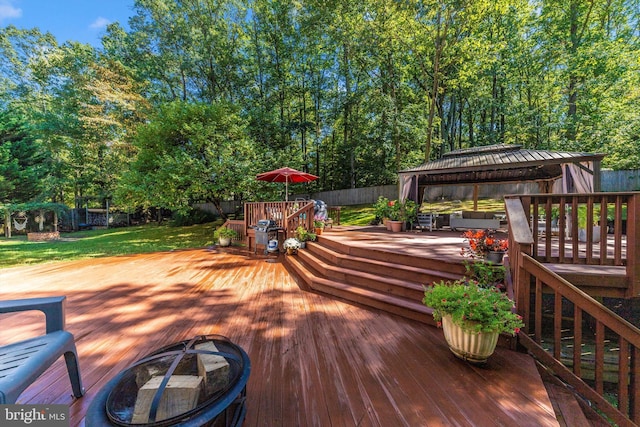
point(224, 236)
point(409, 212)
point(484, 244)
point(318, 225)
point(396, 213)
point(472, 316)
point(291, 245)
point(381, 209)
point(304, 236)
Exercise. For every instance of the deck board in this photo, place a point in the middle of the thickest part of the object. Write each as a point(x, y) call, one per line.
point(316, 361)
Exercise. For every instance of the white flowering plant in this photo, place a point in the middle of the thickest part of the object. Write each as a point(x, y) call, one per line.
point(291, 243)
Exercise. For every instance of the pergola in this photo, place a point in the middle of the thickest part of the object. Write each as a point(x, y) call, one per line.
point(504, 163)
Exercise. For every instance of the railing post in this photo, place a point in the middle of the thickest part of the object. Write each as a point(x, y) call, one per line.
point(633, 237)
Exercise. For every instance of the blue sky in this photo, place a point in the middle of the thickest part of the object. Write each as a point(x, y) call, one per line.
point(78, 20)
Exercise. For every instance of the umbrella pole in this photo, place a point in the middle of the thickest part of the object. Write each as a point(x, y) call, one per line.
point(286, 190)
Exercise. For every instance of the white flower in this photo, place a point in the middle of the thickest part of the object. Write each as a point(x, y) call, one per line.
point(291, 243)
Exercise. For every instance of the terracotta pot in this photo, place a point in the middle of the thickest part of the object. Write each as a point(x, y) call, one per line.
point(475, 347)
point(396, 226)
point(318, 231)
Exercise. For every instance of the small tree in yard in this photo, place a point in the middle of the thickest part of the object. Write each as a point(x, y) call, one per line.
point(188, 153)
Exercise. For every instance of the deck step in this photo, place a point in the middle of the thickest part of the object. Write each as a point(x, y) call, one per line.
point(409, 309)
point(380, 282)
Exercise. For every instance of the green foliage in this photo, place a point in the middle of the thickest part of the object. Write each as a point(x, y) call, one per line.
point(486, 274)
point(189, 153)
point(22, 159)
point(225, 232)
point(304, 235)
point(475, 308)
point(191, 216)
point(381, 208)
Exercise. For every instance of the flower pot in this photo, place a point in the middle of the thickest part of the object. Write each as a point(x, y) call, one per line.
point(224, 241)
point(582, 234)
point(303, 245)
point(291, 251)
point(318, 231)
point(475, 347)
point(495, 257)
point(396, 226)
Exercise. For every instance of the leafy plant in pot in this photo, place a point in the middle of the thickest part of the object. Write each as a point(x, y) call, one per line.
point(318, 224)
point(224, 236)
point(304, 236)
point(472, 316)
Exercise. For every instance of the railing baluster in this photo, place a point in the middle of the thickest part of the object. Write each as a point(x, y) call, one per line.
point(538, 312)
point(599, 358)
point(557, 325)
point(623, 376)
point(634, 389)
point(577, 340)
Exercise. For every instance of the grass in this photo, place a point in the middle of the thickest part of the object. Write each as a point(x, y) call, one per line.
point(99, 243)
point(364, 214)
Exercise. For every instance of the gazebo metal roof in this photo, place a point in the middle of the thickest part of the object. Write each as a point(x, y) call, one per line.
point(494, 164)
point(497, 163)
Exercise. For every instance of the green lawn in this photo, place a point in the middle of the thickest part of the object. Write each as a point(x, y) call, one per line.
point(99, 243)
point(364, 214)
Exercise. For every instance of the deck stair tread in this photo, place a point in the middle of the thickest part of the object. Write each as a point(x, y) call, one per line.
point(386, 268)
point(374, 253)
point(382, 284)
point(347, 272)
point(411, 309)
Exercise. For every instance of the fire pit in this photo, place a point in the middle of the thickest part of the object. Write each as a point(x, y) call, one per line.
point(195, 382)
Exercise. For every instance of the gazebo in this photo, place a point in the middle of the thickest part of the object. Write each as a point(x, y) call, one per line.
point(554, 171)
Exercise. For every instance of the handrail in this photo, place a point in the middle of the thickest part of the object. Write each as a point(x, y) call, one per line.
point(579, 322)
point(588, 229)
point(287, 215)
point(560, 319)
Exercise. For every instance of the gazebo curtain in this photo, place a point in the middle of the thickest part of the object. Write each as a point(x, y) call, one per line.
point(577, 178)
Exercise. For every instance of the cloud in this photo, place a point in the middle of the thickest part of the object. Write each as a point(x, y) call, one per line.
point(99, 23)
point(8, 11)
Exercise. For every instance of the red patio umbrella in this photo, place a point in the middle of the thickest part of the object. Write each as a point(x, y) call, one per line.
point(286, 175)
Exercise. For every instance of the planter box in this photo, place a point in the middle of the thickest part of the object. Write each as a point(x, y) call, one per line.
point(43, 237)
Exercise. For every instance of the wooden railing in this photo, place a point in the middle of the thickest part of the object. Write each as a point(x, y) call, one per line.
point(585, 344)
point(579, 339)
point(287, 215)
point(590, 229)
point(238, 226)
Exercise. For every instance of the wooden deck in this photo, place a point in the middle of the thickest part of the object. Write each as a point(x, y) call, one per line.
point(315, 360)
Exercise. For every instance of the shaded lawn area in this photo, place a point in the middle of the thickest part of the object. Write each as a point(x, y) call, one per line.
point(99, 243)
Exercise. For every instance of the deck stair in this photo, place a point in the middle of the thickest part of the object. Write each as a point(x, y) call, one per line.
point(385, 280)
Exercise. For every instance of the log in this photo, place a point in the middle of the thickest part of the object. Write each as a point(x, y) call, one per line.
point(180, 395)
point(214, 369)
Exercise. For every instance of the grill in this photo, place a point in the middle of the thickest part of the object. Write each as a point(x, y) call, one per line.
point(267, 235)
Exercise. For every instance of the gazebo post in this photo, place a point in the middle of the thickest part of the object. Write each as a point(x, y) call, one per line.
point(475, 196)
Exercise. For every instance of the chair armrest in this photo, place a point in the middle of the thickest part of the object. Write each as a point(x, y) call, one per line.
point(52, 307)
